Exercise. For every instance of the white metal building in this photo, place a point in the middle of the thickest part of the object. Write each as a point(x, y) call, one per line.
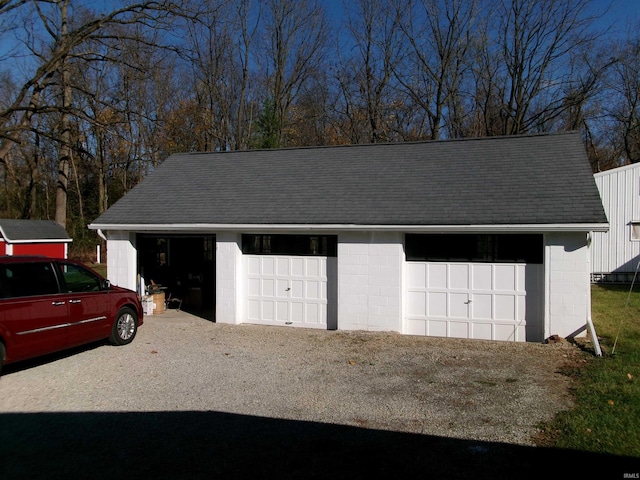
point(479, 238)
point(615, 254)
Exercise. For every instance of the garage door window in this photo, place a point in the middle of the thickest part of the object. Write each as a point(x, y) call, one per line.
point(483, 248)
point(304, 245)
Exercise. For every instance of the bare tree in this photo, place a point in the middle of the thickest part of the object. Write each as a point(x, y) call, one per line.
point(244, 49)
point(438, 34)
point(63, 34)
point(624, 83)
point(535, 44)
point(365, 75)
point(295, 41)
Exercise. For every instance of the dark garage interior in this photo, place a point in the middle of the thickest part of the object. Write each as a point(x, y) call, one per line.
point(183, 267)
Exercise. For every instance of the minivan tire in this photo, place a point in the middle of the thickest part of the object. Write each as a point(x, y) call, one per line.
point(125, 327)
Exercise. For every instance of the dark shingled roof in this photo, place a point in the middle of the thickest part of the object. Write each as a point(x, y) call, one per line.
point(529, 179)
point(23, 230)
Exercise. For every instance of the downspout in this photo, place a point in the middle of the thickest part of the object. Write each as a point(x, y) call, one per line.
point(102, 236)
point(592, 328)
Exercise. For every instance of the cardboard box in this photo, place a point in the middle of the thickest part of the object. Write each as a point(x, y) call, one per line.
point(158, 303)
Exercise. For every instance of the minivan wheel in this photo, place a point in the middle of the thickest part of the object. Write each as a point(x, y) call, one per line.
point(125, 327)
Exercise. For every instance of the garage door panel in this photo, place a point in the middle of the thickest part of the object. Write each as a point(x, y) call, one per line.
point(268, 288)
point(282, 311)
point(506, 332)
point(313, 267)
point(297, 312)
point(482, 331)
point(314, 292)
point(267, 266)
point(283, 267)
point(417, 275)
point(458, 305)
point(416, 327)
point(436, 305)
point(254, 266)
point(494, 301)
point(482, 306)
point(253, 287)
point(312, 313)
point(297, 267)
point(458, 276)
point(417, 303)
point(521, 315)
point(505, 307)
point(253, 309)
point(283, 290)
point(505, 278)
point(437, 275)
point(482, 277)
point(268, 310)
point(436, 328)
point(458, 329)
point(297, 289)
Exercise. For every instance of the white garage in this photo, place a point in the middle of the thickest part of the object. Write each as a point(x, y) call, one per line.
point(483, 238)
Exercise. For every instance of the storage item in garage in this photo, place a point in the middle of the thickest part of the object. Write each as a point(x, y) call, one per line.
point(147, 305)
point(158, 303)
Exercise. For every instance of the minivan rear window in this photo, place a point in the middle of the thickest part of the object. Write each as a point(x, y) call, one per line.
point(27, 279)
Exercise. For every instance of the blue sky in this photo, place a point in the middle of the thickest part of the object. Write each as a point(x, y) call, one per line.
point(621, 12)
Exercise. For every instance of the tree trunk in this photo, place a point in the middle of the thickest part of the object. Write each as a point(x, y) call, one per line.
point(65, 127)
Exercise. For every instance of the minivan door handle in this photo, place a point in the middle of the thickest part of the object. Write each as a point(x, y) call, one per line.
point(75, 301)
point(57, 304)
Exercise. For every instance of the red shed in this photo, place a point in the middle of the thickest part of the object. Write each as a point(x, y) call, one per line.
point(33, 237)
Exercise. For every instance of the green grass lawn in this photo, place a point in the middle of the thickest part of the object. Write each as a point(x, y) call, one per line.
point(606, 418)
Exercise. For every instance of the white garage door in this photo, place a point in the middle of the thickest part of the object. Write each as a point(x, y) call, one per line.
point(474, 300)
point(286, 290)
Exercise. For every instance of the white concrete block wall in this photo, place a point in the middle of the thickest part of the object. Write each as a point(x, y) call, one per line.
point(569, 287)
point(122, 259)
point(370, 281)
point(229, 272)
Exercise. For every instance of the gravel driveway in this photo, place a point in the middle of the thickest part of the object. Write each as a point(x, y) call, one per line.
point(189, 399)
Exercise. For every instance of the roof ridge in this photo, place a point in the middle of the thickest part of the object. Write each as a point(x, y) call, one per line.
point(388, 144)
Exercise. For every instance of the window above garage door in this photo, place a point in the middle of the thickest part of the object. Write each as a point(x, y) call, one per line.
point(482, 248)
point(306, 245)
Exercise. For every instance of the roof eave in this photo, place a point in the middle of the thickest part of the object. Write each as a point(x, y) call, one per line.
point(38, 240)
point(214, 227)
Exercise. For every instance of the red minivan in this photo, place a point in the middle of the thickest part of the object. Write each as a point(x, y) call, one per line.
point(47, 305)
